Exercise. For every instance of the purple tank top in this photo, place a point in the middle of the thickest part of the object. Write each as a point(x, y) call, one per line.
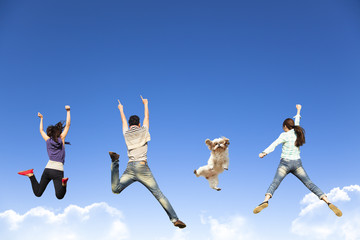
point(56, 150)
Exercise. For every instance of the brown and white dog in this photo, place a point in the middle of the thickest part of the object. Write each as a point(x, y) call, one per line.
point(218, 161)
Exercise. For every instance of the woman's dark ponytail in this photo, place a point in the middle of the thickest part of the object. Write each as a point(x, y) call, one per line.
point(300, 136)
point(299, 131)
point(54, 131)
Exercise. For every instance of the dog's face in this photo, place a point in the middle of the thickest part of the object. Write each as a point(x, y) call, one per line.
point(218, 144)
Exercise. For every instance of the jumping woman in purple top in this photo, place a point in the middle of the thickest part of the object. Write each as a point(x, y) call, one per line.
point(54, 170)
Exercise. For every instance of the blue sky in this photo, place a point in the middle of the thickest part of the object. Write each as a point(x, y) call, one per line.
point(209, 69)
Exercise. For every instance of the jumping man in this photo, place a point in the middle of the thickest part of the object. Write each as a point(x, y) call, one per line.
point(136, 138)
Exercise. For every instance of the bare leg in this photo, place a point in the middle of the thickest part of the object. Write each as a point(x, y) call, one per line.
point(325, 199)
point(267, 197)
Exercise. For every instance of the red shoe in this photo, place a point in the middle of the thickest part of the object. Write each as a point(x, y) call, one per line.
point(64, 181)
point(26, 172)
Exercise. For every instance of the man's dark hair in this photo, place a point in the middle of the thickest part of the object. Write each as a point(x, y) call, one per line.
point(134, 120)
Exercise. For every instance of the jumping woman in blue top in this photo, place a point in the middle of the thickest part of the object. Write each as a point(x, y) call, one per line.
point(54, 170)
point(291, 139)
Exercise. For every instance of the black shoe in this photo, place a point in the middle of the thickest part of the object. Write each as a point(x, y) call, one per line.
point(114, 156)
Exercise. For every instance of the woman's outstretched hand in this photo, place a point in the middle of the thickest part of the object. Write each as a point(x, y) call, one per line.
point(40, 115)
point(261, 155)
point(67, 107)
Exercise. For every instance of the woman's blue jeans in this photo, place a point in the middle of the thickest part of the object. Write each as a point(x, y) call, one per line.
point(295, 167)
point(140, 171)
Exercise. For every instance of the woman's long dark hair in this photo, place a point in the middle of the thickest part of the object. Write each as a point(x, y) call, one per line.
point(299, 131)
point(54, 131)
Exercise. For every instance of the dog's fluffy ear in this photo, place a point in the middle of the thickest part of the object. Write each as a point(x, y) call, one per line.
point(209, 143)
point(227, 142)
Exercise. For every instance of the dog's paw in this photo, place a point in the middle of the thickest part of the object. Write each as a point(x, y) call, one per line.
point(218, 189)
point(226, 168)
point(195, 172)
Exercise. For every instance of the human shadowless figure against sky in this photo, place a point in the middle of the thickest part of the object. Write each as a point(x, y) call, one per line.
point(54, 170)
point(136, 138)
point(291, 139)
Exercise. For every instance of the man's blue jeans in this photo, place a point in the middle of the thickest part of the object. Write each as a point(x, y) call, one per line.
point(140, 171)
point(295, 167)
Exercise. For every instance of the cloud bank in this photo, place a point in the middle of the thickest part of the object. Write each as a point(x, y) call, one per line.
point(233, 228)
point(317, 221)
point(74, 223)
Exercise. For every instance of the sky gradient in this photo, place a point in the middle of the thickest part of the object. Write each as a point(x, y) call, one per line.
point(209, 69)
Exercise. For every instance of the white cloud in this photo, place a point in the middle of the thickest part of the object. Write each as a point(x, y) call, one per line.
point(233, 228)
point(101, 221)
point(74, 223)
point(178, 234)
point(317, 221)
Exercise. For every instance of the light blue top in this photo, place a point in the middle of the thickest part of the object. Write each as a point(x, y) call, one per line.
point(287, 139)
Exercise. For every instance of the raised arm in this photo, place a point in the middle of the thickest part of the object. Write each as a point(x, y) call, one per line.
point(297, 117)
point(43, 134)
point(123, 118)
point(146, 112)
point(67, 125)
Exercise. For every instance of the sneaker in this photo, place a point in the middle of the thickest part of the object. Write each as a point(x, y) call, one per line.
point(26, 172)
point(261, 207)
point(114, 156)
point(64, 181)
point(335, 209)
point(179, 224)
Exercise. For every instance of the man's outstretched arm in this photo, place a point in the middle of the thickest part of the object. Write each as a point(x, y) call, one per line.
point(123, 118)
point(146, 112)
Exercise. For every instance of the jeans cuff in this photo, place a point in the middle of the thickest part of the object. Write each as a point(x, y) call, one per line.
point(322, 196)
point(174, 220)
